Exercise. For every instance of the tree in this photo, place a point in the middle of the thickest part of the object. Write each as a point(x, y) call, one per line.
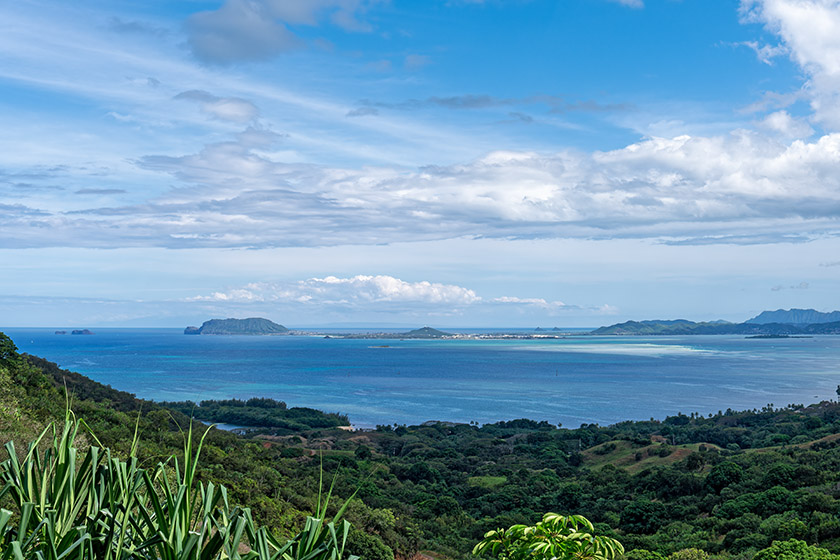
point(794, 550)
point(723, 475)
point(9, 356)
point(643, 516)
point(689, 554)
point(642, 554)
point(556, 537)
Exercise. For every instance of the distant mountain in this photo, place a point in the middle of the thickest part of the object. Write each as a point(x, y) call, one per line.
point(253, 325)
point(425, 332)
point(795, 317)
point(683, 327)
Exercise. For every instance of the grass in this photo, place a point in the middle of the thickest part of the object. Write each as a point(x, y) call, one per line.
point(624, 455)
point(486, 481)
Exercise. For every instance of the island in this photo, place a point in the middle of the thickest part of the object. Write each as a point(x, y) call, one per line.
point(252, 325)
point(81, 331)
point(776, 324)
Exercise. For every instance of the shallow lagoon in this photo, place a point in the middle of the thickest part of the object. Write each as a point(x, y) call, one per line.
point(571, 380)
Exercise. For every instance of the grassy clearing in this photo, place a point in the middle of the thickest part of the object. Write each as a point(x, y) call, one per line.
point(486, 481)
point(635, 458)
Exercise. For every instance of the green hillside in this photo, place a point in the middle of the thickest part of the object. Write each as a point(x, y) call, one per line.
point(730, 484)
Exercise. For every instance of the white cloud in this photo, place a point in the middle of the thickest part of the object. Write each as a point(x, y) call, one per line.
point(742, 187)
point(539, 302)
point(766, 53)
point(386, 294)
point(231, 109)
point(810, 29)
point(356, 290)
point(786, 125)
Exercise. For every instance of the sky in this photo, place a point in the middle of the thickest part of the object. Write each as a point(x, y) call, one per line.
point(506, 163)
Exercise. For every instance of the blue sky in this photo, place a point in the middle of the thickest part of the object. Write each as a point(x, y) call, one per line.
point(453, 163)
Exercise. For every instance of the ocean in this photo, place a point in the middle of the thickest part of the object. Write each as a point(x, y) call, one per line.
point(573, 380)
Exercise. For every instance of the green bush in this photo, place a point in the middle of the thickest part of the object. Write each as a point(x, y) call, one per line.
point(794, 550)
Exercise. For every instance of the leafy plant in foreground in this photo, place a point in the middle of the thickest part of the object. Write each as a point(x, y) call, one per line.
point(74, 506)
point(557, 537)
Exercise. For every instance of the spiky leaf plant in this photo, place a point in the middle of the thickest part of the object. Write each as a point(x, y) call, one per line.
point(74, 506)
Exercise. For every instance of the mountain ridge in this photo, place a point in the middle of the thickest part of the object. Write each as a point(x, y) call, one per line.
point(795, 317)
point(750, 327)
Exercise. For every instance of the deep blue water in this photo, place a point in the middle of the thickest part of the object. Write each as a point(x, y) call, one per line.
point(572, 380)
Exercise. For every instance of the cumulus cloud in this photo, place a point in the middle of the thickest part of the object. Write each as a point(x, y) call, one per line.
point(810, 30)
point(352, 291)
point(783, 123)
point(242, 30)
point(231, 109)
point(384, 293)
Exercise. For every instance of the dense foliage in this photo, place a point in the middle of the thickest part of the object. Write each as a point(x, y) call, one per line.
point(261, 413)
point(727, 485)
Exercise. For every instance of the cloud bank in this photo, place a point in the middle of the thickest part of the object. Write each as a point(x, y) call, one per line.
point(383, 293)
point(744, 185)
point(358, 289)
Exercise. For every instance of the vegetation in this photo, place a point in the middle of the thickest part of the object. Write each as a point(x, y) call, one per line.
point(727, 486)
point(253, 325)
point(260, 412)
point(556, 537)
point(92, 505)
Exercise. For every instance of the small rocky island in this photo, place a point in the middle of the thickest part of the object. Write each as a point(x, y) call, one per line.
point(253, 325)
point(81, 331)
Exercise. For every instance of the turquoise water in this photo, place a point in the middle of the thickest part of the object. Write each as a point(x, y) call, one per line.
point(573, 380)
